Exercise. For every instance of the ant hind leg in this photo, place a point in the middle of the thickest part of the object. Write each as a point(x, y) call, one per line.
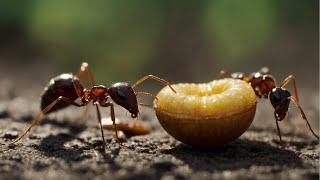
point(296, 103)
point(101, 128)
point(40, 117)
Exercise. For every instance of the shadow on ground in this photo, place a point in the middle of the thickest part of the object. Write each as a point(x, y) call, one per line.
point(241, 153)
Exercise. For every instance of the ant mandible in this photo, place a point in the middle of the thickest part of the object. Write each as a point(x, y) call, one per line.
point(64, 89)
point(264, 86)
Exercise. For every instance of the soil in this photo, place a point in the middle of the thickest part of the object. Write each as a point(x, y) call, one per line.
point(56, 149)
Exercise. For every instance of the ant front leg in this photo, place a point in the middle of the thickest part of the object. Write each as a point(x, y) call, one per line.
point(41, 115)
point(101, 129)
point(113, 118)
point(164, 82)
point(292, 79)
point(147, 94)
point(277, 123)
point(279, 132)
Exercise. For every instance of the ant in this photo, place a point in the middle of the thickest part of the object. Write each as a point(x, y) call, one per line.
point(264, 86)
point(64, 89)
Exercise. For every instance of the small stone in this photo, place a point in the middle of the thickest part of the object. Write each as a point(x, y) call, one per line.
point(11, 134)
point(163, 164)
point(143, 150)
point(16, 158)
point(4, 110)
point(96, 142)
point(34, 136)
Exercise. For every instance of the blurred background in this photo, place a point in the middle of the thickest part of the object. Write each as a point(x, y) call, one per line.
point(181, 41)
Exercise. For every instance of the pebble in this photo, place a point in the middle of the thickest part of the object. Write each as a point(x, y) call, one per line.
point(4, 110)
point(163, 164)
point(11, 134)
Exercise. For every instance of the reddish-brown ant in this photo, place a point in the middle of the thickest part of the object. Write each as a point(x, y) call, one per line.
point(63, 91)
point(264, 86)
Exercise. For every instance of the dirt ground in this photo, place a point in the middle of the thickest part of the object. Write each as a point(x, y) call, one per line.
point(56, 149)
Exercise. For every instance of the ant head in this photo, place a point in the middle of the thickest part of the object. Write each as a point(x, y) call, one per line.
point(280, 100)
point(123, 94)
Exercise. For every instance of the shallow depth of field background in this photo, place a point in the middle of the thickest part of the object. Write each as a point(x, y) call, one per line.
point(181, 41)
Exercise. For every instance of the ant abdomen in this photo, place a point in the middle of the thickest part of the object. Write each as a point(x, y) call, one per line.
point(61, 85)
point(280, 100)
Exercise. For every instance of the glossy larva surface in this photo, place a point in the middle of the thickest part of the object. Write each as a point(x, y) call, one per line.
point(216, 98)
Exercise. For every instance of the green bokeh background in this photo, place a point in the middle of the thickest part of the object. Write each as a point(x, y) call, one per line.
point(178, 40)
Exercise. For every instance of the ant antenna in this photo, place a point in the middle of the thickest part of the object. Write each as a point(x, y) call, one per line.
point(164, 82)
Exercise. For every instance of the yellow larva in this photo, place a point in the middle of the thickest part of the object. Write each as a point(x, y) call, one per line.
point(206, 115)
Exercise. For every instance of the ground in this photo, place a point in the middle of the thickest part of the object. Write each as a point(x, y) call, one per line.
point(56, 149)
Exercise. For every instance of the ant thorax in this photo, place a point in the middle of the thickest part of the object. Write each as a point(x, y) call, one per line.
point(99, 93)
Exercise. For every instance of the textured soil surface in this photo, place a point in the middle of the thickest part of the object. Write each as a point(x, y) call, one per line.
point(56, 149)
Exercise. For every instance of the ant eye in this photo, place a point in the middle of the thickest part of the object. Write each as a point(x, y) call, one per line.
point(121, 95)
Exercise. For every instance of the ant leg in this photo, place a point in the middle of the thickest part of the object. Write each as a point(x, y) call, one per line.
point(83, 71)
point(41, 115)
point(166, 83)
point(292, 79)
point(147, 94)
point(278, 128)
point(109, 104)
point(80, 121)
point(101, 129)
point(296, 103)
point(279, 132)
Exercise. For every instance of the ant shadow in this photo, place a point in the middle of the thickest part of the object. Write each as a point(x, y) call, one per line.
point(53, 145)
point(241, 153)
point(308, 139)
